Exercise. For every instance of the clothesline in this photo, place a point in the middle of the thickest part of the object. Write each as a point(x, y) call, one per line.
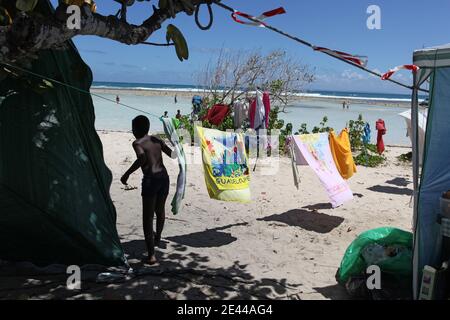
point(308, 44)
point(75, 88)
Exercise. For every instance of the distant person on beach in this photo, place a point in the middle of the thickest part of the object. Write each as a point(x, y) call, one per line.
point(348, 105)
point(165, 115)
point(155, 183)
point(178, 116)
point(176, 99)
point(343, 105)
point(117, 99)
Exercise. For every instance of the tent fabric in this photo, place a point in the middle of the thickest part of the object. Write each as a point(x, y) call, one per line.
point(434, 64)
point(55, 206)
point(170, 126)
point(435, 177)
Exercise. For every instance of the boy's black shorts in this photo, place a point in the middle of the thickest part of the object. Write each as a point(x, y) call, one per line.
point(155, 184)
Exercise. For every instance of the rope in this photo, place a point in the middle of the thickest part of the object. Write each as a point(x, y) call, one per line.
point(77, 89)
point(308, 44)
point(211, 17)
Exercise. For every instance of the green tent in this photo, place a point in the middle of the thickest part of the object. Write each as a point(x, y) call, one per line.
point(55, 205)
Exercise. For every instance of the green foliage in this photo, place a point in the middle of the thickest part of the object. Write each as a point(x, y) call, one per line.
point(368, 159)
point(356, 132)
point(316, 129)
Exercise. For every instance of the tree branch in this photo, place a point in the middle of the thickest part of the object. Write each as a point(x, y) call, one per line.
point(29, 33)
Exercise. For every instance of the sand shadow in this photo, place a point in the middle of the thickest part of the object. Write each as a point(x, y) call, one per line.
point(319, 206)
point(210, 238)
point(399, 182)
point(308, 220)
point(391, 190)
point(334, 292)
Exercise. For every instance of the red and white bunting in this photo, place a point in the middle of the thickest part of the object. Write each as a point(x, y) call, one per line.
point(260, 18)
point(358, 60)
point(389, 74)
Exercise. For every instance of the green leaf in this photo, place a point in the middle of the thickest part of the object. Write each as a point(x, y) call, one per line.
point(181, 47)
point(26, 5)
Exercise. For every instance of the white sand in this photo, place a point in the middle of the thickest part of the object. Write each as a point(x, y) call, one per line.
point(286, 244)
point(285, 235)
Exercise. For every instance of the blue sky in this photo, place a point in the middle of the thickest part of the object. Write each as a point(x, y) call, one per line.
point(341, 25)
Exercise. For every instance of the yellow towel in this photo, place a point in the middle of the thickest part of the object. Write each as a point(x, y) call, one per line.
point(342, 153)
point(225, 164)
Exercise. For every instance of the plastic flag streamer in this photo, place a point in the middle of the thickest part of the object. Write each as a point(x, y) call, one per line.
point(360, 65)
point(389, 74)
point(359, 60)
point(263, 16)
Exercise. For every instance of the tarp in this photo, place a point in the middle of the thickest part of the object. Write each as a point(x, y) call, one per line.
point(55, 205)
point(225, 164)
point(434, 64)
point(315, 149)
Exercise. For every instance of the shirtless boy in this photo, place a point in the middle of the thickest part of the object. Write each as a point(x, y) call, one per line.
point(155, 183)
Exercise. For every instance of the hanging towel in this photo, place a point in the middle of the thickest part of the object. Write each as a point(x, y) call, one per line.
point(342, 154)
point(266, 102)
point(259, 111)
point(240, 114)
point(217, 114)
point(170, 126)
point(225, 165)
point(381, 127)
point(315, 148)
point(366, 134)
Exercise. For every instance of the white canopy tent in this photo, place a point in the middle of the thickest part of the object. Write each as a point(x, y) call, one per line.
point(434, 178)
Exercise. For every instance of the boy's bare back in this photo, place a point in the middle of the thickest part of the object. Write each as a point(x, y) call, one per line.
point(151, 148)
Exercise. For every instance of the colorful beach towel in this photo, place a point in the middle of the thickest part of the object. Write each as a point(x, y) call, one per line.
point(381, 128)
point(225, 165)
point(315, 148)
point(170, 126)
point(342, 154)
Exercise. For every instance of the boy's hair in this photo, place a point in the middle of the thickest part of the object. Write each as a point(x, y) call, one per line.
point(141, 125)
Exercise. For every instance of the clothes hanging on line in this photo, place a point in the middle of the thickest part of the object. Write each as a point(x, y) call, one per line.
point(225, 164)
point(366, 134)
point(381, 128)
point(170, 126)
point(240, 111)
point(315, 148)
point(342, 153)
point(217, 114)
point(259, 111)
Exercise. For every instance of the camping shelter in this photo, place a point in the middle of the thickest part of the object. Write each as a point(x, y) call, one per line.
point(55, 205)
point(434, 178)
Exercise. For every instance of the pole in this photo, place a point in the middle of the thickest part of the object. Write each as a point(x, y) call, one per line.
point(416, 164)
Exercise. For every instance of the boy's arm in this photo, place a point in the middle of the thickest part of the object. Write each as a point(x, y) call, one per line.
point(140, 161)
point(164, 148)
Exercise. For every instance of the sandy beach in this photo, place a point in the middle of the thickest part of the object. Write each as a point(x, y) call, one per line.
point(286, 244)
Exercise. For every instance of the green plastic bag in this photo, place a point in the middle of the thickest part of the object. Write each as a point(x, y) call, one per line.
point(354, 264)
